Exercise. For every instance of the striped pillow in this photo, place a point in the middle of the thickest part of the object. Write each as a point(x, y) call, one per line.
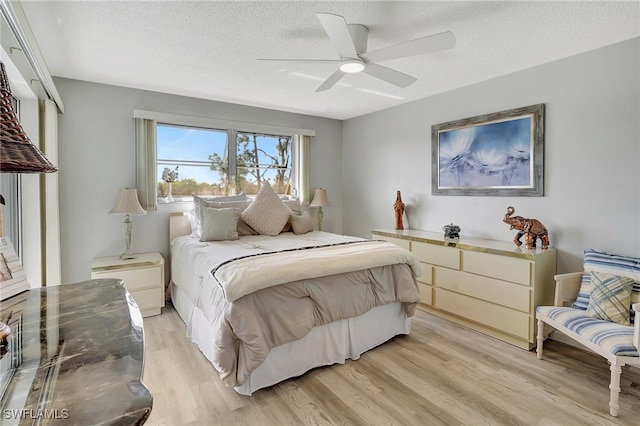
point(610, 297)
point(614, 264)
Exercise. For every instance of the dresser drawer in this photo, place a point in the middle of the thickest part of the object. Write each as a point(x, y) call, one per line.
point(427, 274)
point(492, 290)
point(501, 267)
point(133, 278)
point(426, 293)
point(498, 317)
point(436, 255)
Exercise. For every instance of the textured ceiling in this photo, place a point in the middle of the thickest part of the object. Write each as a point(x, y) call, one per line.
point(209, 49)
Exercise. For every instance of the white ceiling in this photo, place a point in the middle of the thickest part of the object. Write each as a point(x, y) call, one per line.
point(209, 49)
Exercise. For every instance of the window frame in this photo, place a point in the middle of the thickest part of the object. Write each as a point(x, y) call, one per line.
point(146, 148)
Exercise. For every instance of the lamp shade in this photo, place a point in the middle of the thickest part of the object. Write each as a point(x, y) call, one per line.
point(128, 203)
point(17, 153)
point(320, 198)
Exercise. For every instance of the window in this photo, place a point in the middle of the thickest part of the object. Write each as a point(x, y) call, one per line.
point(220, 162)
point(208, 156)
point(10, 212)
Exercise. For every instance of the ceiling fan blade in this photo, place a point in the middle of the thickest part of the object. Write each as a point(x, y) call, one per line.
point(390, 76)
point(319, 61)
point(331, 81)
point(418, 46)
point(336, 28)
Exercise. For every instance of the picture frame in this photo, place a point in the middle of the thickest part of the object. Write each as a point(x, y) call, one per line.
point(12, 277)
point(497, 154)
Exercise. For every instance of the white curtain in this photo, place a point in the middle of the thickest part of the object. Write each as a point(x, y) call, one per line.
point(303, 160)
point(146, 175)
point(49, 122)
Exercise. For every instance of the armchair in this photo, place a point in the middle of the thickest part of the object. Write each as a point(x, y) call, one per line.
point(573, 313)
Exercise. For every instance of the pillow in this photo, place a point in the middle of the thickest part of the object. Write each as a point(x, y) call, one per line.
point(219, 224)
point(614, 264)
point(294, 205)
point(267, 214)
point(301, 224)
point(296, 209)
point(243, 228)
point(610, 297)
point(197, 215)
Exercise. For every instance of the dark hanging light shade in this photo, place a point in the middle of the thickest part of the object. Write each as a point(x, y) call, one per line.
point(17, 153)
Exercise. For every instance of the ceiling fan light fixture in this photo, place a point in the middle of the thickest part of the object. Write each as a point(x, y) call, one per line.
point(352, 66)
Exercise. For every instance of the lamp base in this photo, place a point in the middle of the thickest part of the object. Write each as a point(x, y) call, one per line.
point(128, 225)
point(320, 215)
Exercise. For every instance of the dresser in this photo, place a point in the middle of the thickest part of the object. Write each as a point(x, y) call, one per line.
point(489, 286)
point(75, 356)
point(143, 277)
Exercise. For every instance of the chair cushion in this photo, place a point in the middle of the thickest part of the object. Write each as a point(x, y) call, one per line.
point(610, 297)
point(612, 337)
point(615, 264)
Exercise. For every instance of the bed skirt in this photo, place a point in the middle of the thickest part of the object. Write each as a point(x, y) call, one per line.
point(332, 343)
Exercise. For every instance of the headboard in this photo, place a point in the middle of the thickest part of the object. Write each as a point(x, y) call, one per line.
point(179, 225)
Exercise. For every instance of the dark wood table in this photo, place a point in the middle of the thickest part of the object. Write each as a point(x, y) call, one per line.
point(75, 356)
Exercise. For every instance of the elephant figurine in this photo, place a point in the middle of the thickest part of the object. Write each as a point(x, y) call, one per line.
point(532, 229)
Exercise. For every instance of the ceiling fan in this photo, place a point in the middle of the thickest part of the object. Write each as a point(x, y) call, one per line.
point(351, 42)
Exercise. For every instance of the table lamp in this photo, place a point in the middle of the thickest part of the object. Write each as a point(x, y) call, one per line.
point(127, 204)
point(320, 200)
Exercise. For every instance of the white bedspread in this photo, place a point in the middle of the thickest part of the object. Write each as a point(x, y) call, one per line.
point(265, 265)
point(244, 328)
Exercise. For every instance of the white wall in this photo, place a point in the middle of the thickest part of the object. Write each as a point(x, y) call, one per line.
point(592, 157)
point(96, 158)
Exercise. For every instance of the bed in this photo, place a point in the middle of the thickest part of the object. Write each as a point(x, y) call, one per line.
point(264, 308)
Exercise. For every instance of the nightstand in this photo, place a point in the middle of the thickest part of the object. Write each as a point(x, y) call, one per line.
point(143, 277)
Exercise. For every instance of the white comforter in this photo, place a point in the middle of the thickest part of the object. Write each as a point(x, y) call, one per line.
point(272, 268)
point(244, 302)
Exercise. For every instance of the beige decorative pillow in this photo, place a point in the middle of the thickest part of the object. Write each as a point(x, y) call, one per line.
point(243, 228)
point(267, 214)
point(302, 224)
point(610, 297)
point(296, 209)
point(198, 200)
point(219, 224)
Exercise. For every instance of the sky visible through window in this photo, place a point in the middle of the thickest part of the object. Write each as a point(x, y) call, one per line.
point(178, 145)
point(181, 144)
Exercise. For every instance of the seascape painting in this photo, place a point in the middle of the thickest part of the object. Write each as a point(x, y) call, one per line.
point(496, 154)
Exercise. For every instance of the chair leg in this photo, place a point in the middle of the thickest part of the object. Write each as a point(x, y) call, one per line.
point(540, 338)
point(616, 370)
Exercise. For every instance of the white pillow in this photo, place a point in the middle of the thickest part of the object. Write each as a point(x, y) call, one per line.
point(294, 205)
point(302, 224)
point(197, 203)
point(267, 214)
point(296, 209)
point(219, 224)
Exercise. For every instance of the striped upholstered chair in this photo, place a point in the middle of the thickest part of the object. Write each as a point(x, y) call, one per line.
point(596, 308)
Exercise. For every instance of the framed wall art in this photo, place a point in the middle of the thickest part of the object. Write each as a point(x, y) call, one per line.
point(498, 154)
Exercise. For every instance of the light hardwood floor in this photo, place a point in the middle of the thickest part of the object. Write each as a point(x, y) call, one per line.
point(440, 374)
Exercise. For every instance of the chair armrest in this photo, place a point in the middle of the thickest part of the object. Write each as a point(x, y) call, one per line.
point(567, 288)
point(636, 326)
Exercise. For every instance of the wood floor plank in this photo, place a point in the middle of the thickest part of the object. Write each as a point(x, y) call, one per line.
point(441, 373)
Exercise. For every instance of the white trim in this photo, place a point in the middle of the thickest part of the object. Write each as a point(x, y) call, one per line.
point(49, 124)
point(19, 25)
point(214, 123)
